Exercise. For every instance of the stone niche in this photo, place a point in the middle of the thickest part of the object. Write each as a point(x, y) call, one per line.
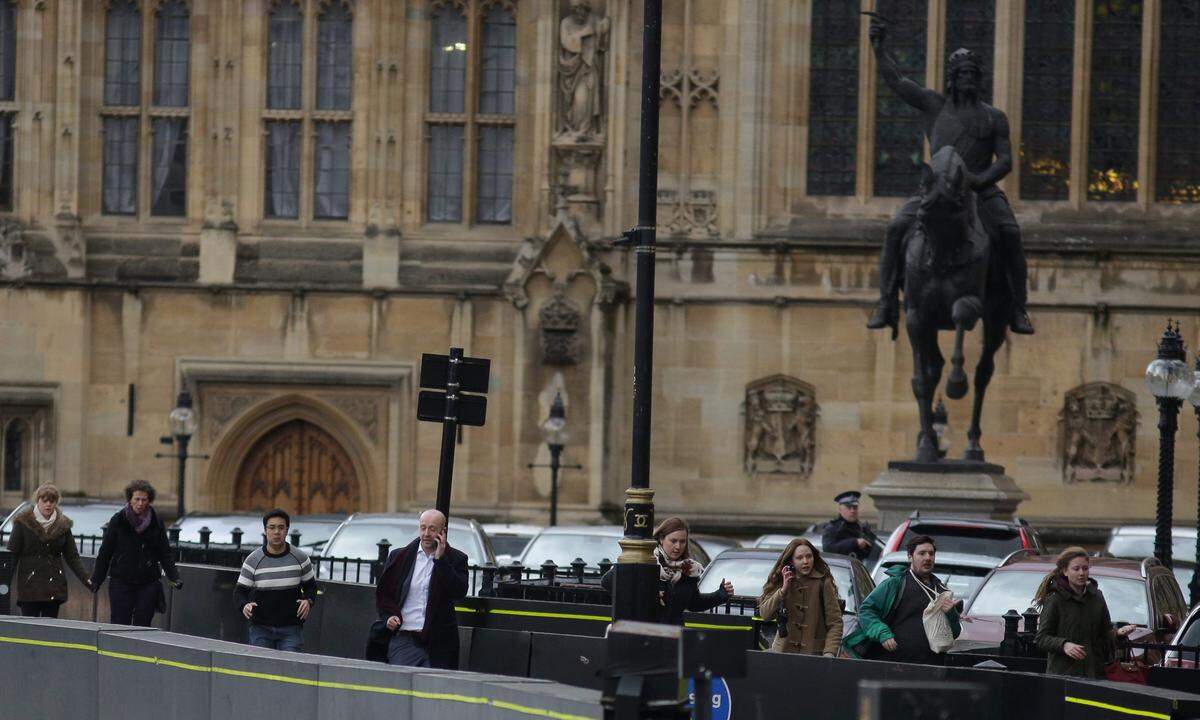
point(1098, 434)
point(780, 427)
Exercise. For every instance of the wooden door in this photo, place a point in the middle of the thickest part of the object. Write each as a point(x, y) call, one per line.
point(298, 467)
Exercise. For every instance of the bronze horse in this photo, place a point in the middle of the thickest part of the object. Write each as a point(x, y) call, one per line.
point(950, 284)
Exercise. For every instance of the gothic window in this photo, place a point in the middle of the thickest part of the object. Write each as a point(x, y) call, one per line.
point(144, 118)
point(833, 99)
point(14, 455)
point(1114, 100)
point(8, 50)
point(1046, 99)
point(899, 138)
point(306, 155)
point(6, 161)
point(1177, 177)
point(470, 126)
point(972, 24)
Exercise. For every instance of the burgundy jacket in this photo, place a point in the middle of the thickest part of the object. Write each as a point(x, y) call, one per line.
point(447, 583)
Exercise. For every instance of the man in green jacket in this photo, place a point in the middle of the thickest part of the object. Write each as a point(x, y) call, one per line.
point(890, 619)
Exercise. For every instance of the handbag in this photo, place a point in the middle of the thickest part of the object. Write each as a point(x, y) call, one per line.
point(937, 627)
point(1128, 670)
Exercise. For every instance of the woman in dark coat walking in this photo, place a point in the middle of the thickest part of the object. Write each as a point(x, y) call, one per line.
point(134, 547)
point(1074, 629)
point(41, 540)
point(678, 576)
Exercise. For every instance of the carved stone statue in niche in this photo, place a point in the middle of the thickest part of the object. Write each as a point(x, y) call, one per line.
point(583, 40)
point(560, 321)
point(781, 425)
point(15, 262)
point(1099, 425)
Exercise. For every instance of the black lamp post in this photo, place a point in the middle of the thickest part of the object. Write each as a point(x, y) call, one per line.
point(554, 432)
point(182, 422)
point(1170, 381)
point(1194, 585)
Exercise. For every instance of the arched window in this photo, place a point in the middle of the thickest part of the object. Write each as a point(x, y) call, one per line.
point(8, 94)
point(14, 455)
point(1177, 158)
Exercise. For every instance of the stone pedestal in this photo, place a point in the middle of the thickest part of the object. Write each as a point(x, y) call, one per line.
point(949, 487)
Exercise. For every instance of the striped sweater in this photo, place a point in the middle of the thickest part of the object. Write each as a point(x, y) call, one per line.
point(276, 583)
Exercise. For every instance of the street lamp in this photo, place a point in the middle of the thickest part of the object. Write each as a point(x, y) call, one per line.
point(1194, 399)
point(182, 423)
point(1170, 381)
point(554, 432)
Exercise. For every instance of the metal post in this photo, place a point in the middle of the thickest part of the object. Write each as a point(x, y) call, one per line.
point(181, 447)
point(555, 464)
point(636, 582)
point(1194, 585)
point(702, 702)
point(449, 433)
point(1168, 423)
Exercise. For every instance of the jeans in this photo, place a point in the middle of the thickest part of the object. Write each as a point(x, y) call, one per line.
point(282, 637)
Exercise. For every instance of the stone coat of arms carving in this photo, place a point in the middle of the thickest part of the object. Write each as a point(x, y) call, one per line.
point(1098, 434)
point(560, 322)
point(781, 426)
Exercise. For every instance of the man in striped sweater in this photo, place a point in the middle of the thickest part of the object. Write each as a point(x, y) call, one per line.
point(276, 588)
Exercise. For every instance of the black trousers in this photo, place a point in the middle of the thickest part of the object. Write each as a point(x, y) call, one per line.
point(40, 608)
point(133, 604)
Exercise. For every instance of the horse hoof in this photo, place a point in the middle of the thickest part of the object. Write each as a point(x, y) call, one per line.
point(956, 385)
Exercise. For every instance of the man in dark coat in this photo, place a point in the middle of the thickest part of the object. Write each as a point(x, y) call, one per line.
point(415, 596)
point(845, 535)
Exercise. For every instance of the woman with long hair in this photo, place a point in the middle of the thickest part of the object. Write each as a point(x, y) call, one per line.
point(1074, 630)
point(802, 585)
point(41, 540)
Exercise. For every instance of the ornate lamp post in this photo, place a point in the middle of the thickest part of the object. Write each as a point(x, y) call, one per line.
point(1194, 585)
point(554, 432)
point(1170, 381)
point(182, 422)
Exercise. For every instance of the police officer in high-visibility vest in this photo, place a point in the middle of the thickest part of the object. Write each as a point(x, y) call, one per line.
point(846, 535)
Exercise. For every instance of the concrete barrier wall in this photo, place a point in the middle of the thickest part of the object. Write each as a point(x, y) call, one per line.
point(70, 669)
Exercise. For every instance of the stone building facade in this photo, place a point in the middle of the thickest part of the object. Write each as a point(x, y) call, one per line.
point(278, 205)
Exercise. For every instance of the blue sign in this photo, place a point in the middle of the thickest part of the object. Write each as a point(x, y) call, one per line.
point(722, 702)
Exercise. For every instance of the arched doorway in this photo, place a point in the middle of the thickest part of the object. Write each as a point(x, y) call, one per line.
point(299, 467)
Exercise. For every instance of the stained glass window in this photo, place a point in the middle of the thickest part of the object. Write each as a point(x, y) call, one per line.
point(971, 24)
point(171, 47)
point(899, 137)
point(1046, 99)
point(334, 40)
point(122, 54)
point(1115, 100)
point(833, 99)
point(1177, 176)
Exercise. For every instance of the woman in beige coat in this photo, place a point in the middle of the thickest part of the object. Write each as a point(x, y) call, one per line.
point(802, 583)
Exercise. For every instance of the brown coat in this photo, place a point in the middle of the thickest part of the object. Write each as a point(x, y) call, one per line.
point(814, 615)
point(39, 555)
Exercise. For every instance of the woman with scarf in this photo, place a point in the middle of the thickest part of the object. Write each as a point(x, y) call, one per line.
point(1074, 629)
point(678, 575)
point(41, 539)
point(134, 546)
point(802, 584)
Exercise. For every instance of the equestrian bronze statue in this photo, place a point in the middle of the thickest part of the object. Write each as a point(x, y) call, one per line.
point(954, 248)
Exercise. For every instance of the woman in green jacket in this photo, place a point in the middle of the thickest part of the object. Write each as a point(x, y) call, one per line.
point(1074, 629)
point(41, 540)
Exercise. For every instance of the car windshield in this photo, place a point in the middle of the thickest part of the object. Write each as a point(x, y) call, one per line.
point(749, 575)
point(1014, 590)
point(360, 540)
point(962, 580)
point(510, 545)
point(563, 549)
point(967, 539)
point(1137, 547)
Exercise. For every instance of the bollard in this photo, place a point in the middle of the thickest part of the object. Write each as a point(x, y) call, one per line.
point(605, 566)
point(1028, 638)
point(295, 536)
point(1008, 646)
point(1031, 616)
point(549, 570)
point(205, 535)
point(488, 587)
point(577, 568)
point(518, 572)
point(385, 549)
point(172, 533)
point(236, 534)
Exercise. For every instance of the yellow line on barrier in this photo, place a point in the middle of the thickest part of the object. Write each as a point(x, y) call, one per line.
point(48, 643)
point(1117, 708)
point(127, 656)
point(470, 699)
point(266, 676)
point(705, 626)
point(538, 712)
point(562, 616)
point(184, 666)
point(363, 688)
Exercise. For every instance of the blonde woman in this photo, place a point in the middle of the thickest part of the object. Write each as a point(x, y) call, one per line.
point(41, 540)
point(802, 583)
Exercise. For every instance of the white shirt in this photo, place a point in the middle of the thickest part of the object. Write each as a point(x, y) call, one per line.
point(412, 615)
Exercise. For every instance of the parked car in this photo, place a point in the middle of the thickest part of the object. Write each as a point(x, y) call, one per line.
point(357, 539)
point(962, 573)
point(563, 543)
point(813, 533)
point(774, 541)
point(748, 568)
point(970, 536)
point(1143, 593)
point(1137, 541)
point(314, 530)
point(1188, 636)
point(88, 519)
point(510, 540)
point(714, 545)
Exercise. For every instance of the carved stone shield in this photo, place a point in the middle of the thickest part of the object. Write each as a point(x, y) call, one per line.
point(780, 427)
point(1097, 439)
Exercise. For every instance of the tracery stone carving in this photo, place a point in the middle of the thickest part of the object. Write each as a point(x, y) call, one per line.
point(220, 408)
point(780, 428)
point(15, 261)
point(560, 321)
point(361, 409)
point(1098, 434)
